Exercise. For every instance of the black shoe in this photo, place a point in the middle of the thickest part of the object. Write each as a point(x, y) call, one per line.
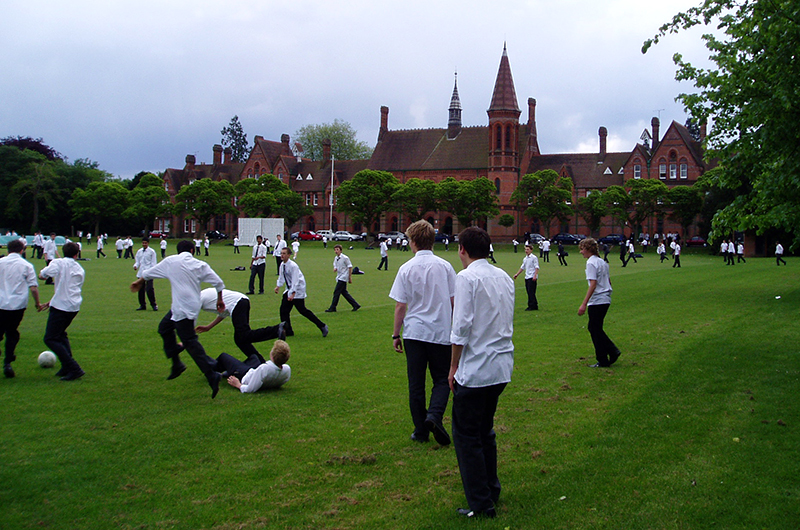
point(73, 375)
point(614, 356)
point(250, 292)
point(8, 371)
point(141, 308)
point(324, 330)
point(213, 381)
point(61, 372)
point(155, 308)
point(466, 512)
point(329, 310)
point(598, 365)
point(177, 369)
point(282, 331)
point(356, 308)
point(419, 438)
point(439, 433)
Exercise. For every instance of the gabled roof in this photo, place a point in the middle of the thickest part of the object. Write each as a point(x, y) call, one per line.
point(586, 170)
point(430, 149)
point(272, 150)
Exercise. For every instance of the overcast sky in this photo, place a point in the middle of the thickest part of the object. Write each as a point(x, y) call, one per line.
point(139, 85)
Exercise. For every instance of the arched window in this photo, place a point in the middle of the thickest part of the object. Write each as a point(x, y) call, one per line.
point(310, 225)
point(498, 131)
point(497, 185)
point(395, 225)
point(508, 137)
point(335, 225)
point(684, 168)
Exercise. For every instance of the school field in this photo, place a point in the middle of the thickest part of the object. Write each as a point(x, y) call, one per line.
point(696, 426)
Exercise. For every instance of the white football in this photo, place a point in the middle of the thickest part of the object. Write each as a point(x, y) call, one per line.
point(47, 359)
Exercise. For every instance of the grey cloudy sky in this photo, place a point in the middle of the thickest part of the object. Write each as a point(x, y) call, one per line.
point(139, 85)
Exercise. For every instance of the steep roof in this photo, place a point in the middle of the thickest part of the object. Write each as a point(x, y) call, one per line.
point(430, 149)
point(587, 170)
point(505, 95)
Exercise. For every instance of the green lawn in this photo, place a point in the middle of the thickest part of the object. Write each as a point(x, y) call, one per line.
point(695, 427)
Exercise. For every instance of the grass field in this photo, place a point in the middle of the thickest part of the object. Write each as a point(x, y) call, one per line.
point(695, 427)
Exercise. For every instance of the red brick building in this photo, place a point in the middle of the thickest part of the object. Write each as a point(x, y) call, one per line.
point(503, 150)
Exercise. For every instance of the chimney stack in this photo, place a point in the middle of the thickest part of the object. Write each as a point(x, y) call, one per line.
point(217, 154)
point(190, 160)
point(228, 155)
point(603, 132)
point(326, 151)
point(655, 124)
point(703, 131)
point(533, 140)
point(384, 122)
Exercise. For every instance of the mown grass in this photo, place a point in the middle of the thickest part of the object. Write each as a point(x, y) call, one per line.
point(696, 426)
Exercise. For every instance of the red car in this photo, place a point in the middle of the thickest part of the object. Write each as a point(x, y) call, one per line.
point(308, 235)
point(696, 241)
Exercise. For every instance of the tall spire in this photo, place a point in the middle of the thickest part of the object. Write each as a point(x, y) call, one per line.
point(505, 96)
point(454, 122)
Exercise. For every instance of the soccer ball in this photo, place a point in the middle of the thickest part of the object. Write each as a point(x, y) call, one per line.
point(47, 359)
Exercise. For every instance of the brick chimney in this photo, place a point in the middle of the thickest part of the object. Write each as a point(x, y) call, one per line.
point(217, 154)
point(603, 132)
point(655, 124)
point(533, 140)
point(326, 151)
point(285, 148)
point(190, 160)
point(228, 155)
point(703, 131)
point(384, 122)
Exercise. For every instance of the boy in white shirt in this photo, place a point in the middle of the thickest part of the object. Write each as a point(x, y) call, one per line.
point(252, 375)
point(530, 266)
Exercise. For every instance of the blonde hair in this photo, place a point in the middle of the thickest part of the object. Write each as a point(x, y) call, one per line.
point(589, 244)
point(422, 234)
point(279, 353)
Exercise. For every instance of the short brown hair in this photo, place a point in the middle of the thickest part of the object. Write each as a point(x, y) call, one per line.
point(422, 234)
point(279, 353)
point(337, 245)
point(589, 244)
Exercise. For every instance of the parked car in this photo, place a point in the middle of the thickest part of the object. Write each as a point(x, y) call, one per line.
point(439, 238)
point(393, 235)
point(567, 239)
point(344, 235)
point(696, 241)
point(613, 239)
point(215, 234)
point(326, 233)
point(307, 235)
point(536, 238)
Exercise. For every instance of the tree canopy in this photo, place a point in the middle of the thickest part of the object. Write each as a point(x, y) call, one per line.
point(751, 98)
point(545, 195)
point(416, 197)
point(147, 200)
point(367, 196)
point(344, 144)
point(469, 200)
point(267, 196)
point(233, 136)
point(98, 202)
point(204, 199)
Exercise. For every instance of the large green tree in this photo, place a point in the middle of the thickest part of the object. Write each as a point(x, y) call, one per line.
point(593, 208)
point(344, 144)
point(267, 196)
point(204, 199)
point(233, 136)
point(469, 200)
point(751, 99)
point(685, 203)
point(147, 200)
point(647, 198)
point(545, 195)
point(98, 202)
point(415, 198)
point(366, 196)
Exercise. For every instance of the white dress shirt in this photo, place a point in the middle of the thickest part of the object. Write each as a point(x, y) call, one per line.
point(291, 276)
point(145, 259)
point(17, 276)
point(483, 323)
point(49, 249)
point(530, 264)
point(267, 375)
point(425, 283)
point(342, 265)
point(278, 246)
point(384, 249)
point(597, 270)
point(68, 276)
point(185, 274)
point(259, 254)
point(208, 299)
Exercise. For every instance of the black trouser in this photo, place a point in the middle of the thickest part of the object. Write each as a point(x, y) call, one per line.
point(257, 270)
point(100, 251)
point(55, 337)
point(119, 253)
point(384, 263)
point(740, 258)
point(244, 336)
point(9, 324)
point(163, 253)
point(341, 290)
point(547, 256)
point(300, 304)
point(562, 260)
point(435, 358)
point(475, 444)
point(603, 346)
point(278, 264)
point(677, 258)
point(236, 249)
point(235, 367)
point(49, 280)
point(530, 288)
point(779, 259)
point(151, 293)
point(167, 328)
point(39, 251)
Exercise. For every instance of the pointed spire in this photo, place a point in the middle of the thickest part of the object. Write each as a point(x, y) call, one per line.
point(454, 123)
point(505, 96)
